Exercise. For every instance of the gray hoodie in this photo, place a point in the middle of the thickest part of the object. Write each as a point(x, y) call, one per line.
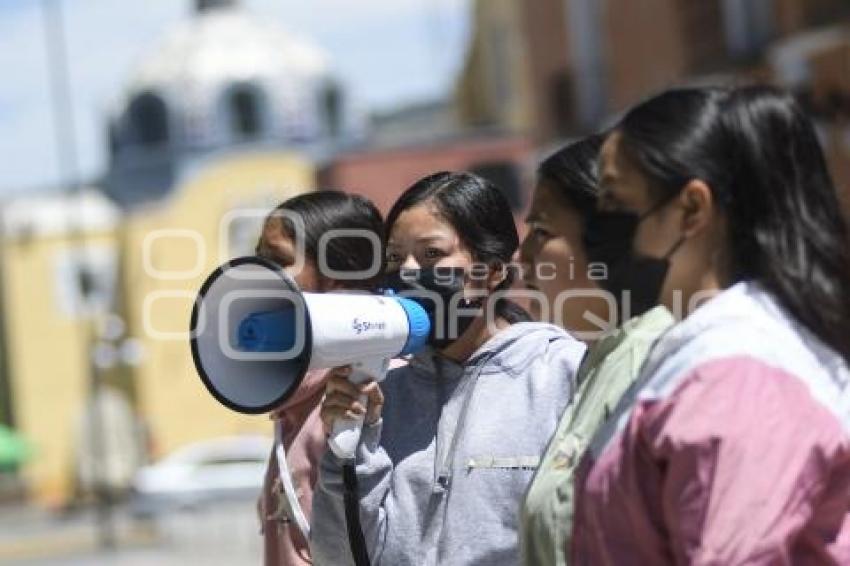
point(442, 474)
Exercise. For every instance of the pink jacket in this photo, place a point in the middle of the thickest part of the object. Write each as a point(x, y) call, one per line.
point(299, 425)
point(734, 451)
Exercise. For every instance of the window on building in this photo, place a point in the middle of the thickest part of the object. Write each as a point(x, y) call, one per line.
point(85, 280)
point(149, 119)
point(204, 5)
point(113, 139)
point(331, 108)
point(505, 175)
point(246, 112)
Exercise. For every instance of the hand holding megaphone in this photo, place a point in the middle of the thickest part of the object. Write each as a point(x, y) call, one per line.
point(351, 395)
point(254, 335)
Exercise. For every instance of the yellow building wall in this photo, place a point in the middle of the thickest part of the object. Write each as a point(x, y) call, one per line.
point(46, 345)
point(168, 254)
point(494, 87)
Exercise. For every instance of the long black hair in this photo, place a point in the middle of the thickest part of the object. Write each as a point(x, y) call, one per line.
point(323, 211)
point(759, 153)
point(573, 173)
point(480, 214)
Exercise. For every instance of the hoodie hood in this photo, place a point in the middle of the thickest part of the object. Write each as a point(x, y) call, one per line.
point(510, 351)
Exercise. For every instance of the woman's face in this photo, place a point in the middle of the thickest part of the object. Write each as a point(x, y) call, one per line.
point(554, 264)
point(687, 230)
point(275, 245)
point(422, 239)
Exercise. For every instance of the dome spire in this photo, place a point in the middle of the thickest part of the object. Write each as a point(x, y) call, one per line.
point(202, 6)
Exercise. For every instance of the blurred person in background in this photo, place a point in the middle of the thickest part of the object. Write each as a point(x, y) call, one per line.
point(718, 204)
point(451, 440)
point(555, 265)
point(296, 421)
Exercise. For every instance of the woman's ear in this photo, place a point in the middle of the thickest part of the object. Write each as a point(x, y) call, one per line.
point(496, 275)
point(697, 204)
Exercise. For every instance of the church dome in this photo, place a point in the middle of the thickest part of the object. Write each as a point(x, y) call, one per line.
point(224, 77)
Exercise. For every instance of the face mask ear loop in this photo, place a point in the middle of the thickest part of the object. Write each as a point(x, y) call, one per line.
point(675, 247)
point(656, 207)
point(470, 302)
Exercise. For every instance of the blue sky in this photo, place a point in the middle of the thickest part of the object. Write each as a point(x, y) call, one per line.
point(389, 51)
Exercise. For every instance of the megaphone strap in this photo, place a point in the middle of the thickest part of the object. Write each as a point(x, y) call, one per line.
point(351, 500)
point(289, 491)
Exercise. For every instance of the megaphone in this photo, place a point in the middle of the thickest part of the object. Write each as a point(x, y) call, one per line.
point(254, 335)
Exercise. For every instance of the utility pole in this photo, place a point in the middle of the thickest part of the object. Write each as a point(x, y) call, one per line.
point(67, 159)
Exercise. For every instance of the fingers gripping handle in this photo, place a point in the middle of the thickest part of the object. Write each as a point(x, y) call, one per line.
point(346, 432)
point(346, 435)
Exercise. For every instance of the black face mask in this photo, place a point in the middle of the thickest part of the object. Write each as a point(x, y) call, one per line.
point(609, 239)
point(435, 288)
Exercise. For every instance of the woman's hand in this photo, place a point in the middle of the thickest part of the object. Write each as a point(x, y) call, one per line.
point(342, 399)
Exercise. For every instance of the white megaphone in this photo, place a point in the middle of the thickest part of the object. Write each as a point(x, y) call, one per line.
point(254, 335)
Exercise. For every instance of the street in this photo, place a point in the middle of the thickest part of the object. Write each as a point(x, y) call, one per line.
point(227, 533)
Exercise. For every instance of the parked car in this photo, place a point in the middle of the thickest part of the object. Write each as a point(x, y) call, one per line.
point(202, 473)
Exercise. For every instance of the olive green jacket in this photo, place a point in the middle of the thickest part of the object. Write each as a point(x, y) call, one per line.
point(607, 371)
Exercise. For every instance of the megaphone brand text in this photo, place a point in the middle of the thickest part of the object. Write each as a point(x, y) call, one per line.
point(360, 327)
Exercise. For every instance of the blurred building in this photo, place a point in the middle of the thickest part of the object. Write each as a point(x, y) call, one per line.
point(486, 129)
point(382, 173)
point(222, 121)
point(569, 64)
point(227, 116)
point(555, 69)
point(51, 285)
point(224, 118)
point(495, 86)
point(224, 81)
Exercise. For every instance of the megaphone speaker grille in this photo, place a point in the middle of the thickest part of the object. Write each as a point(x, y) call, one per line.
point(243, 372)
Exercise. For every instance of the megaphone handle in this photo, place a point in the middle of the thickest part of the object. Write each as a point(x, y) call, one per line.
point(346, 432)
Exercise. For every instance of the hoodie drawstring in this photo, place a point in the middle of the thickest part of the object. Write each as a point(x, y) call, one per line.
point(444, 476)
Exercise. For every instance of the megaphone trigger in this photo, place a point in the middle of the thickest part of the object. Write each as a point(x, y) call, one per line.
point(346, 432)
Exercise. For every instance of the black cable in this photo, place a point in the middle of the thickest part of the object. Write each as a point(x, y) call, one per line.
point(351, 498)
